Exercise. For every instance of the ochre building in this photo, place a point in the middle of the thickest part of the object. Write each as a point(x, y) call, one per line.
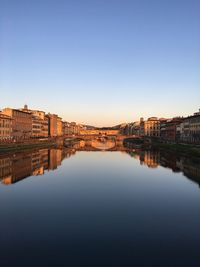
point(21, 123)
point(5, 127)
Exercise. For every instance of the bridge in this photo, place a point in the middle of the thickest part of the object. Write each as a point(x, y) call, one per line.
point(96, 142)
point(108, 132)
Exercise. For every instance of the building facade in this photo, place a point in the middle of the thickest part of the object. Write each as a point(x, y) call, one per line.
point(150, 127)
point(40, 123)
point(52, 120)
point(190, 129)
point(71, 128)
point(36, 127)
point(5, 127)
point(21, 123)
point(170, 129)
point(59, 126)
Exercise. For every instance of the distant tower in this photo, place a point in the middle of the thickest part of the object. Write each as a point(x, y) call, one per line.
point(141, 120)
point(26, 107)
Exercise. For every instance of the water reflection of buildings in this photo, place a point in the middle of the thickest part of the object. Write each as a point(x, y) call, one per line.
point(153, 159)
point(18, 166)
point(147, 158)
point(5, 169)
point(192, 171)
point(150, 158)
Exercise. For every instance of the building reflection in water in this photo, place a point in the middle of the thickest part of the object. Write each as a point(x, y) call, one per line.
point(16, 167)
point(150, 159)
point(155, 158)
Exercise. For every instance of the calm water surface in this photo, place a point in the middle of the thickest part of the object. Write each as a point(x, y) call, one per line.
point(64, 207)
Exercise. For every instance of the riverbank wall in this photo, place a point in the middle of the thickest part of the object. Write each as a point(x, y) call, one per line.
point(27, 145)
point(188, 150)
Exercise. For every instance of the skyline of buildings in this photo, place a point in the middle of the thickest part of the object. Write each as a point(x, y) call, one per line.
point(172, 130)
point(126, 119)
point(24, 124)
point(44, 112)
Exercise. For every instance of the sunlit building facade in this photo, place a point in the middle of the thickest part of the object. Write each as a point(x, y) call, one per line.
point(59, 127)
point(150, 127)
point(52, 124)
point(5, 127)
point(40, 123)
point(21, 123)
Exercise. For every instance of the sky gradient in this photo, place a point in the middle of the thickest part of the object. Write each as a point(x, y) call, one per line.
point(101, 62)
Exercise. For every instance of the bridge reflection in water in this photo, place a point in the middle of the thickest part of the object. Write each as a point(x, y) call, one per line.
point(96, 143)
point(15, 167)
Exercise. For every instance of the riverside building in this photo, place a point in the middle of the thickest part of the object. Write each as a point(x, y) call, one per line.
point(5, 127)
point(21, 123)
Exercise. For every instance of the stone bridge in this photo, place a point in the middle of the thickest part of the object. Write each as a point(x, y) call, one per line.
point(96, 143)
point(93, 132)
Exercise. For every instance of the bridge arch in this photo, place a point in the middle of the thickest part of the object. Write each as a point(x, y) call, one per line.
point(103, 145)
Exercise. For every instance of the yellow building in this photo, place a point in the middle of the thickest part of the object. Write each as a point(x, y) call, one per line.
point(45, 127)
point(40, 122)
point(43, 121)
point(21, 123)
point(59, 127)
point(36, 126)
point(150, 127)
point(5, 127)
point(52, 124)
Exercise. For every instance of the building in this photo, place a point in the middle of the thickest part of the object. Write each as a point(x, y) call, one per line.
point(74, 128)
point(43, 120)
point(45, 127)
point(128, 129)
point(21, 123)
point(136, 128)
point(55, 125)
point(52, 120)
point(66, 128)
point(59, 126)
point(40, 122)
point(163, 123)
point(141, 127)
point(150, 127)
point(71, 128)
point(36, 126)
point(190, 129)
point(5, 127)
point(132, 128)
point(170, 129)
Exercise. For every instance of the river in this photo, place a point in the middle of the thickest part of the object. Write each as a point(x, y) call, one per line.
point(80, 207)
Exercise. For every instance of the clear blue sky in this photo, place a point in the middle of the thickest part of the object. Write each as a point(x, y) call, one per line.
point(101, 62)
